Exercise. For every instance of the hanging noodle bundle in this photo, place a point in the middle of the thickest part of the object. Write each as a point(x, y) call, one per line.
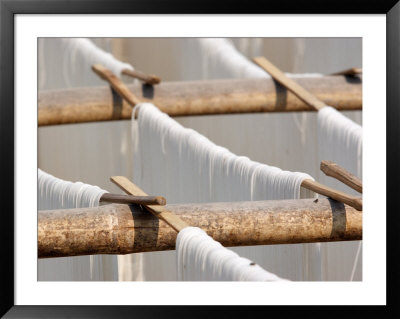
point(340, 140)
point(212, 172)
point(55, 193)
point(184, 166)
point(200, 258)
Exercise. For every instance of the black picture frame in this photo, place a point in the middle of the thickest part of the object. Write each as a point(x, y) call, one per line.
point(8, 10)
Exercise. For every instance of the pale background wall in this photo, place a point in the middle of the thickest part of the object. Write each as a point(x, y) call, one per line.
point(92, 152)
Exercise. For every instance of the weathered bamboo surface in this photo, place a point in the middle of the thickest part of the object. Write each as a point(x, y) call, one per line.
point(198, 98)
point(123, 229)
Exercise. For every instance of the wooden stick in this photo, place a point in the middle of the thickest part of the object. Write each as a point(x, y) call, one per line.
point(291, 85)
point(150, 79)
point(127, 186)
point(334, 170)
point(116, 83)
point(123, 229)
point(352, 201)
point(228, 96)
point(128, 199)
point(351, 72)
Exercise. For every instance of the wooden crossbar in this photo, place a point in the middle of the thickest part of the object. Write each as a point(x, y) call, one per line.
point(127, 186)
point(334, 170)
point(116, 84)
point(288, 83)
point(319, 188)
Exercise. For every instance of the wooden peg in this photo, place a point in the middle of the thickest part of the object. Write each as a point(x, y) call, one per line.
point(150, 79)
point(334, 170)
point(129, 199)
point(116, 84)
point(288, 83)
point(171, 219)
point(316, 187)
point(350, 72)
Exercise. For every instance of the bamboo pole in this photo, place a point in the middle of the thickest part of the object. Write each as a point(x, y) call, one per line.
point(124, 229)
point(334, 170)
point(94, 104)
